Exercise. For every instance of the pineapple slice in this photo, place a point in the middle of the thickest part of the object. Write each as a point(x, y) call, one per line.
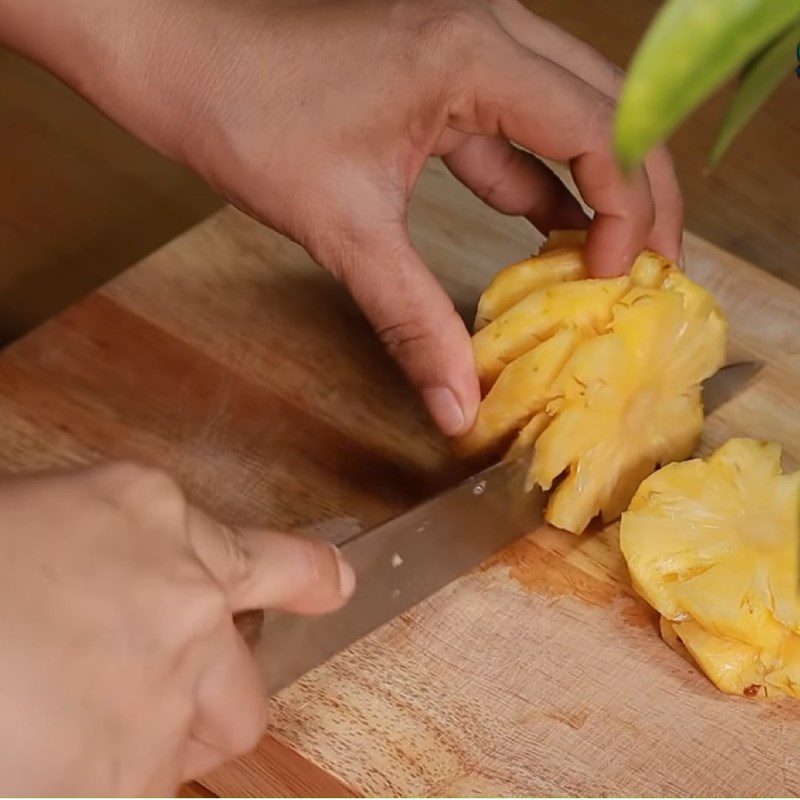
point(522, 391)
point(713, 546)
point(560, 239)
point(585, 305)
point(602, 375)
point(628, 401)
point(560, 259)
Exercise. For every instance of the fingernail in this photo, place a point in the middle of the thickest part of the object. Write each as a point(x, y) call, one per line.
point(347, 576)
point(445, 410)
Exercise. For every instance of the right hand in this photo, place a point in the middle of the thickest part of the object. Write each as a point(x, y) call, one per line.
point(121, 671)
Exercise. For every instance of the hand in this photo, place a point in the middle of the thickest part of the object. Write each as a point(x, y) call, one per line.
point(317, 118)
point(121, 670)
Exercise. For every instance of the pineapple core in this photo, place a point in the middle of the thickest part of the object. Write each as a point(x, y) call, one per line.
point(601, 376)
point(713, 546)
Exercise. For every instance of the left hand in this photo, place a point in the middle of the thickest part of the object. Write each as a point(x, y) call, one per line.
point(318, 117)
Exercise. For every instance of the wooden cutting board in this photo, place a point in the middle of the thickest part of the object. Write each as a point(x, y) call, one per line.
point(230, 359)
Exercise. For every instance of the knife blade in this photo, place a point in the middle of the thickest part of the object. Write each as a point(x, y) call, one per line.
point(401, 562)
point(728, 382)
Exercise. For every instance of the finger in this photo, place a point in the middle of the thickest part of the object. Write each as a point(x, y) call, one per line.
point(515, 182)
point(508, 96)
point(417, 322)
point(620, 228)
point(580, 58)
point(265, 569)
point(667, 234)
point(231, 708)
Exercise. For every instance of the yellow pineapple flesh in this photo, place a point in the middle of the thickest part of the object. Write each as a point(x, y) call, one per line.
point(602, 376)
point(560, 259)
point(712, 545)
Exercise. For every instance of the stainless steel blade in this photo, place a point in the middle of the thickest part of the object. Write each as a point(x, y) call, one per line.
point(727, 383)
point(405, 560)
point(402, 562)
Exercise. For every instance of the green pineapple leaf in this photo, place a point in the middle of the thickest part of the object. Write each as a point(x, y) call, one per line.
point(759, 79)
point(691, 48)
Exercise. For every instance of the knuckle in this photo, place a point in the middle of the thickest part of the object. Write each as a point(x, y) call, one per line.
point(333, 251)
point(350, 251)
point(156, 484)
point(342, 239)
point(601, 121)
point(454, 27)
point(239, 565)
point(398, 337)
point(490, 189)
point(142, 489)
point(439, 20)
point(460, 24)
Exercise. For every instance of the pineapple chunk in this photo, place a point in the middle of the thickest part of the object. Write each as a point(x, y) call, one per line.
point(713, 546)
point(586, 305)
point(602, 375)
point(522, 391)
point(527, 437)
point(560, 239)
point(519, 280)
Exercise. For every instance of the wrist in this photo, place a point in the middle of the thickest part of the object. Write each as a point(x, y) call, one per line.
point(124, 56)
point(64, 37)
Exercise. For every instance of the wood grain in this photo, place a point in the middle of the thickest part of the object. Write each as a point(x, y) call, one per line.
point(194, 789)
point(230, 359)
point(277, 769)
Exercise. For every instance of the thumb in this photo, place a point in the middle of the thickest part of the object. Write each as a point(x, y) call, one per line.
point(266, 569)
point(418, 324)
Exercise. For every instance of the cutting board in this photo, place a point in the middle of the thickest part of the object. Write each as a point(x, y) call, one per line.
point(233, 361)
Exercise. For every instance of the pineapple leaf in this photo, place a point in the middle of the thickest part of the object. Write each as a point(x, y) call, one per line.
point(691, 48)
point(759, 79)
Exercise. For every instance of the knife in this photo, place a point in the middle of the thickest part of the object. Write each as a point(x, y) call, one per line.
point(401, 562)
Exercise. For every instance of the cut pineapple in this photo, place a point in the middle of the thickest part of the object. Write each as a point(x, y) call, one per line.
point(560, 239)
point(560, 259)
point(602, 375)
point(522, 391)
point(585, 305)
point(713, 547)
